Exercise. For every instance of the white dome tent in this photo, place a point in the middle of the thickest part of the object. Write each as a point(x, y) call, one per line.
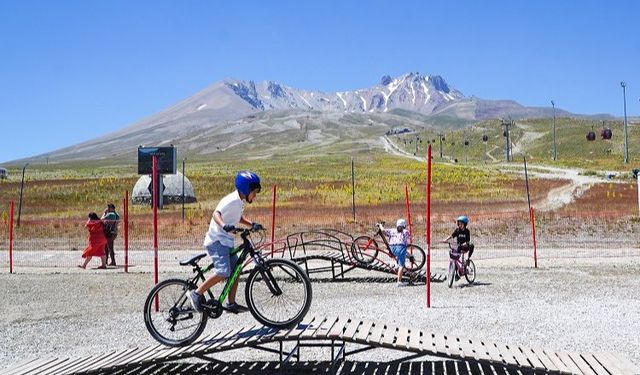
point(172, 191)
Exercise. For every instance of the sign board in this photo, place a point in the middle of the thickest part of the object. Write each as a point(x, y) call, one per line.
point(167, 159)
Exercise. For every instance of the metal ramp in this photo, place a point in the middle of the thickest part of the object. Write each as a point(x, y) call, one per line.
point(334, 247)
point(345, 336)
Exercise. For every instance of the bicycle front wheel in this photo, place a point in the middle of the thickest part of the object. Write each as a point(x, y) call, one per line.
point(451, 275)
point(415, 258)
point(470, 272)
point(364, 249)
point(174, 323)
point(278, 293)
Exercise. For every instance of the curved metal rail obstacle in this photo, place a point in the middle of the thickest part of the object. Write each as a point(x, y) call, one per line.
point(334, 247)
point(337, 332)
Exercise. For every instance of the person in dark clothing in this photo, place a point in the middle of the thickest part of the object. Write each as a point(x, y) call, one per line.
point(110, 218)
point(462, 235)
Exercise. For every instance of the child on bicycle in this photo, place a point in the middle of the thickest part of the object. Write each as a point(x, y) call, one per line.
point(462, 236)
point(398, 240)
point(219, 242)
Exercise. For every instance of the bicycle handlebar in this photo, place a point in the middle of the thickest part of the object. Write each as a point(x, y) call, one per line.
point(245, 232)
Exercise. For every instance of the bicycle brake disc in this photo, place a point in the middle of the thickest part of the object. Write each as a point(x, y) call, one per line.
point(213, 308)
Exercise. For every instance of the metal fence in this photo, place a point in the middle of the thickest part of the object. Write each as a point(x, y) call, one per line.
point(59, 243)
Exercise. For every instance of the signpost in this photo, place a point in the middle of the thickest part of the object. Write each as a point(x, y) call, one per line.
point(156, 161)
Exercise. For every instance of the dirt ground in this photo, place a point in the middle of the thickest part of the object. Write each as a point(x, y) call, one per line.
point(580, 305)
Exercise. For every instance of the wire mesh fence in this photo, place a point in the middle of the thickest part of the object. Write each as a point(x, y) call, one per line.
point(60, 242)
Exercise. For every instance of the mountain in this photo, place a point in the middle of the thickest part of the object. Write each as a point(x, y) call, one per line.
point(222, 115)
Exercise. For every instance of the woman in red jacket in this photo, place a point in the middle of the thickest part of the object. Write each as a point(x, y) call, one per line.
point(97, 241)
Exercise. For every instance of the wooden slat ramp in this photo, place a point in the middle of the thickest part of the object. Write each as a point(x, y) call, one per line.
point(376, 265)
point(339, 330)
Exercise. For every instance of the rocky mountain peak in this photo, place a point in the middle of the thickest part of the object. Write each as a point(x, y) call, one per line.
point(385, 80)
point(440, 84)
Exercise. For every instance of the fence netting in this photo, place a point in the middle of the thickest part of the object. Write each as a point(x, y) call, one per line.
point(60, 242)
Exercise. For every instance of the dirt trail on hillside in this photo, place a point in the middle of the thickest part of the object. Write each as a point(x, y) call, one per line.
point(577, 183)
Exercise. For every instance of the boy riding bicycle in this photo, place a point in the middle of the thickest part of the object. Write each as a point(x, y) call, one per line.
point(219, 242)
point(398, 241)
point(462, 236)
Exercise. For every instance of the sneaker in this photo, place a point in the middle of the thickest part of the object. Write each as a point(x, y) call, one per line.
point(235, 308)
point(196, 299)
point(113, 264)
point(400, 284)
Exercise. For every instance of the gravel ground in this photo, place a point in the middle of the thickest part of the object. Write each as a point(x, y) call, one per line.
point(583, 305)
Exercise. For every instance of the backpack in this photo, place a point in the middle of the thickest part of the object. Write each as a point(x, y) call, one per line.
point(110, 228)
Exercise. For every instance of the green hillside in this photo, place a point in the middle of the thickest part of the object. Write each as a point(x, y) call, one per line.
point(535, 139)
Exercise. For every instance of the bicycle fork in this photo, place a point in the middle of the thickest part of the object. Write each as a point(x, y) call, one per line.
point(268, 278)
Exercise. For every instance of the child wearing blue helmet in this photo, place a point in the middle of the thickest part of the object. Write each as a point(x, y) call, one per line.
point(462, 235)
point(219, 242)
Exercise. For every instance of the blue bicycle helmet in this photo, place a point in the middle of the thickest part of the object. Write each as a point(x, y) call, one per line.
point(246, 182)
point(463, 219)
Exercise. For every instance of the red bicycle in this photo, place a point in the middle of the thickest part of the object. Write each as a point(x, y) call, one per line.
point(365, 250)
point(458, 267)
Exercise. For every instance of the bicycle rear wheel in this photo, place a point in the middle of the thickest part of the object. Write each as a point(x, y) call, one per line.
point(415, 258)
point(470, 272)
point(175, 323)
point(278, 293)
point(364, 249)
point(451, 275)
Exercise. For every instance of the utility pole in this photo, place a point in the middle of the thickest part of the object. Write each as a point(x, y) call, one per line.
point(555, 152)
point(507, 135)
point(21, 188)
point(626, 140)
point(441, 136)
point(183, 165)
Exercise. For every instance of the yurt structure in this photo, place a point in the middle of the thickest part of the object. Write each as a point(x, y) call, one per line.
point(172, 193)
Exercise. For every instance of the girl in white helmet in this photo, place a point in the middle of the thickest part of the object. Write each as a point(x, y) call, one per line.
point(398, 241)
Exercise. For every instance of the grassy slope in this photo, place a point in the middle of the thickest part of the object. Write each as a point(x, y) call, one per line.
point(573, 149)
point(311, 164)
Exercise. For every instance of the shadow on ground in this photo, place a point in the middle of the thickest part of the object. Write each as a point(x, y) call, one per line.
point(342, 368)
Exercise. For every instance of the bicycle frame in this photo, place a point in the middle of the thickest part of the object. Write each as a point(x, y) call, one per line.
point(244, 251)
point(458, 263)
point(386, 244)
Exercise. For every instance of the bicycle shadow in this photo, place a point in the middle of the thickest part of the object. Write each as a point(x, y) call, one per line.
point(475, 284)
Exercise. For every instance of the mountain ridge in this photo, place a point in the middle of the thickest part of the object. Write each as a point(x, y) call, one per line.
point(234, 105)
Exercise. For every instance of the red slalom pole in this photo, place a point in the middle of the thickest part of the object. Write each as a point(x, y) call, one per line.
point(154, 200)
point(11, 237)
point(532, 216)
point(125, 205)
point(406, 198)
point(428, 226)
point(273, 219)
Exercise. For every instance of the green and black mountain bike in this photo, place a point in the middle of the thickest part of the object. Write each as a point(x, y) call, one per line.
point(277, 292)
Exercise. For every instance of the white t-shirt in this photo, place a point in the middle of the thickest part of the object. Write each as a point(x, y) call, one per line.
point(230, 208)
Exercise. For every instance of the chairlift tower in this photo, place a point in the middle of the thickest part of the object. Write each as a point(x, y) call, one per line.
point(507, 134)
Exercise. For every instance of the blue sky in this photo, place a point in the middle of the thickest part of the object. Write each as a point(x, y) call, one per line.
point(74, 70)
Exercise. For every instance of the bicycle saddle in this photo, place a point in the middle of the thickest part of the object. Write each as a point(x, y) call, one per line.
point(193, 261)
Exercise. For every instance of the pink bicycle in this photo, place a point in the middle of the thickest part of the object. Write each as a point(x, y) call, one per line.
point(458, 267)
